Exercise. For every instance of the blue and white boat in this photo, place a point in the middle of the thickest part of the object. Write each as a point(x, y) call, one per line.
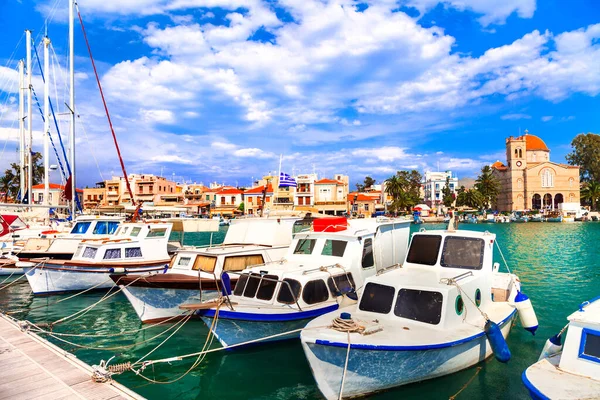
point(324, 268)
point(572, 371)
point(440, 312)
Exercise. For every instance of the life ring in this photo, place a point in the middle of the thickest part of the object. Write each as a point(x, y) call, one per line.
point(50, 232)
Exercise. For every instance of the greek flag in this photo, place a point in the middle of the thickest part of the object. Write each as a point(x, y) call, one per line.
point(286, 180)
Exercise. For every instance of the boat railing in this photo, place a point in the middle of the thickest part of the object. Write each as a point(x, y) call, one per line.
point(386, 269)
point(452, 281)
point(323, 268)
point(262, 276)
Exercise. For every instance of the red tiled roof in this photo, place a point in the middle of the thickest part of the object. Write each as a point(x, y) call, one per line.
point(328, 181)
point(229, 191)
point(363, 197)
point(259, 189)
point(54, 186)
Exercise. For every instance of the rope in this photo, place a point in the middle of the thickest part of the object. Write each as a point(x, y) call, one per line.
point(22, 276)
point(452, 281)
point(466, 384)
point(61, 300)
point(503, 259)
point(346, 325)
point(105, 107)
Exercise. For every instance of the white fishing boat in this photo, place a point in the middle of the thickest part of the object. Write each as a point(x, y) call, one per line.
point(62, 246)
point(194, 270)
point(442, 311)
point(136, 248)
point(572, 371)
point(324, 268)
point(8, 265)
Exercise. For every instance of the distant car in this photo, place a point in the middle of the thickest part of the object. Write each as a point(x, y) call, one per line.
point(361, 215)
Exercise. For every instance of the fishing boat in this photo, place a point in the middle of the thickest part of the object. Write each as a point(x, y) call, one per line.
point(445, 309)
point(554, 216)
point(537, 218)
point(136, 248)
point(324, 268)
point(62, 246)
point(519, 217)
point(252, 241)
point(8, 265)
point(572, 371)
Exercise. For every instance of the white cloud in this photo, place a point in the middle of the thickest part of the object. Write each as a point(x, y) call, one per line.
point(171, 158)
point(547, 118)
point(158, 116)
point(514, 117)
point(223, 146)
point(253, 153)
point(389, 153)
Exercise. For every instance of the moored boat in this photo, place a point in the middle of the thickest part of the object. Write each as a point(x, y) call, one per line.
point(252, 241)
point(444, 310)
point(554, 216)
point(136, 248)
point(572, 371)
point(324, 268)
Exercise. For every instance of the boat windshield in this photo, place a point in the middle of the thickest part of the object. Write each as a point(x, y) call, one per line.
point(463, 252)
point(424, 249)
point(334, 248)
point(419, 305)
point(80, 228)
point(105, 227)
point(305, 246)
point(377, 298)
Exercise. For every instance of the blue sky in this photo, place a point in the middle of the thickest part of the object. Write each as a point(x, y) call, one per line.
point(215, 90)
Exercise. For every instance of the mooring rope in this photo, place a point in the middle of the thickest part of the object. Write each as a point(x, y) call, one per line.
point(345, 368)
point(22, 276)
point(465, 385)
point(503, 259)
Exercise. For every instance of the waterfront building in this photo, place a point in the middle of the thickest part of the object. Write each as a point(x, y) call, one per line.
point(227, 200)
point(148, 188)
point(331, 195)
point(94, 197)
point(305, 191)
point(253, 199)
point(434, 183)
point(529, 180)
point(55, 194)
point(365, 203)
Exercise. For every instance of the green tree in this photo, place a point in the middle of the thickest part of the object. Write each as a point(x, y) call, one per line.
point(447, 195)
point(488, 186)
point(470, 198)
point(405, 189)
point(586, 148)
point(591, 192)
point(241, 207)
point(9, 185)
point(10, 181)
point(367, 184)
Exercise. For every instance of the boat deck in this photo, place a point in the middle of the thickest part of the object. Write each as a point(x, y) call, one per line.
point(33, 368)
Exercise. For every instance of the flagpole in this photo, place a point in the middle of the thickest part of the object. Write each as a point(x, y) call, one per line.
point(279, 174)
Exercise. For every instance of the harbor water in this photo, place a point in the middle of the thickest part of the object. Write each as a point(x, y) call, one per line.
point(558, 264)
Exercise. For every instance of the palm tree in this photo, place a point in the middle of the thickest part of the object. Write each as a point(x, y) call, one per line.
point(471, 198)
point(6, 183)
point(488, 186)
point(591, 192)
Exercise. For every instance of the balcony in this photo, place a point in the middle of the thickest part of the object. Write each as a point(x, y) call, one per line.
point(330, 203)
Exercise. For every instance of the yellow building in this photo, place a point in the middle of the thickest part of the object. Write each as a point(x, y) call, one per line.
point(529, 180)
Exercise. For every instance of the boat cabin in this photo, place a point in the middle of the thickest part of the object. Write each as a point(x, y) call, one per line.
point(326, 262)
point(581, 352)
point(423, 291)
point(132, 242)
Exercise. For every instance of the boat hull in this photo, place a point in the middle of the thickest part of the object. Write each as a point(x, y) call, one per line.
point(376, 368)
point(238, 328)
point(158, 304)
point(51, 279)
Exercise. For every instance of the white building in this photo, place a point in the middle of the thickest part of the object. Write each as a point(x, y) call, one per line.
point(433, 186)
point(305, 191)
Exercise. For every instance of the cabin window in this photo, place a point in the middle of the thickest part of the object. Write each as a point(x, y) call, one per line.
point(81, 227)
point(285, 296)
point(205, 263)
point(112, 254)
point(424, 249)
point(305, 246)
point(315, 292)
point(132, 252)
point(89, 252)
point(589, 348)
point(251, 285)
point(334, 248)
point(459, 305)
point(340, 284)
point(184, 261)
point(238, 263)
point(477, 297)
point(267, 287)
point(377, 298)
point(157, 232)
point(240, 285)
point(367, 255)
point(105, 227)
point(135, 231)
point(419, 305)
point(463, 252)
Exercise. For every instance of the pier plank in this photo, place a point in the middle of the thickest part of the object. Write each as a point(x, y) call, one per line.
point(33, 368)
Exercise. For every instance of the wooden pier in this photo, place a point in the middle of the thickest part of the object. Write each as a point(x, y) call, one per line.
point(33, 368)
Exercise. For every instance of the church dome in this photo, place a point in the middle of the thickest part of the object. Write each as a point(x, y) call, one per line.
point(533, 143)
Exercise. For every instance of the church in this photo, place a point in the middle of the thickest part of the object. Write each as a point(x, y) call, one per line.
point(529, 180)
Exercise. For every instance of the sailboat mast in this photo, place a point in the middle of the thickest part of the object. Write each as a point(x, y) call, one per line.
point(46, 123)
point(29, 119)
point(21, 129)
point(72, 103)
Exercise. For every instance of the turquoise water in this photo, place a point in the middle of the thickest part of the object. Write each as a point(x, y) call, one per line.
point(558, 264)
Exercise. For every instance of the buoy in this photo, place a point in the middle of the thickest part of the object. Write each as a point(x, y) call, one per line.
point(497, 342)
point(526, 313)
point(552, 347)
